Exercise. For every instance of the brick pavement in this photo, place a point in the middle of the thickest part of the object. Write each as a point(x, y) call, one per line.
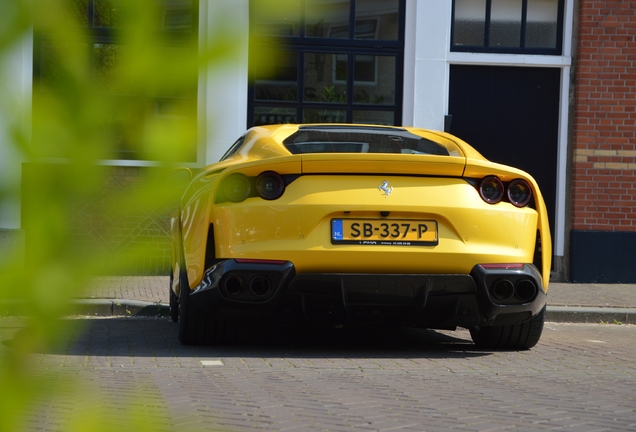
point(592, 295)
point(579, 377)
point(153, 289)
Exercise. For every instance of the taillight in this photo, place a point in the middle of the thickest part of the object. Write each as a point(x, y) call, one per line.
point(519, 193)
point(491, 189)
point(236, 187)
point(270, 185)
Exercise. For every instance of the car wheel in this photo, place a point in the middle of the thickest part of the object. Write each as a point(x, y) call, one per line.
point(174, 302)
point(520, 336)
point(197, 327)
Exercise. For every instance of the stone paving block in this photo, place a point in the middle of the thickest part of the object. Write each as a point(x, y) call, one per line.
point(579, 376)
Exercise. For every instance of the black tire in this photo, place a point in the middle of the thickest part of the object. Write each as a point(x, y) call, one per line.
point(174, 302)
point(197, 327)
point(521, 336)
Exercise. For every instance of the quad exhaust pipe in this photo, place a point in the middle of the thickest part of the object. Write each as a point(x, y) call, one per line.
point(526, 290)
point(523, 290)
point(258, 287)
point(233, 285)
point(503, 289)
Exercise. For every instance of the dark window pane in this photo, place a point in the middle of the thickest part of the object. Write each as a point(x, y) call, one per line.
point(377, 19)
point(342, 66)
point(374, 79)
point(106, 13)
point(274, 115)
point(366, 29)
point(176, 15)
point(275, 17)
point(361, 139)
point(50, 67)
point(281, 82)
point(175, 108)
point(173, 15)
point(126, 125)
point(106, 58)
point(505, 23)
point(54, 59)
point(365, 69)
point(311, 115)
point(327, 19)
point(178, 81)
point(374, 117)
point(470, 22)
point(337, 64)
point(129, 116)
point(78, 11)
point(541, 27)
point(325, 77)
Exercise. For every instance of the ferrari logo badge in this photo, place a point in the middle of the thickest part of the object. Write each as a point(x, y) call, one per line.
point(384, 187)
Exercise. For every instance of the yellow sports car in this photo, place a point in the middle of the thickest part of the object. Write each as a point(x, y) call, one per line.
point(335, 225)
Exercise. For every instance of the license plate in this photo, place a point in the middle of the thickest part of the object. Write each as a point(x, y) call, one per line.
point(384, 232)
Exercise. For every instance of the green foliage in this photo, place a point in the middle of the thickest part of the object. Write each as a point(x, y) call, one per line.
point(91, 101)
point(615, 322)
point(331, 94)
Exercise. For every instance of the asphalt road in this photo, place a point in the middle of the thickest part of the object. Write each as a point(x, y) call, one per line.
point(580, 377)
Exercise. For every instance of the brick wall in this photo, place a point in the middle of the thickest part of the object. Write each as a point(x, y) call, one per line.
point(604, 175)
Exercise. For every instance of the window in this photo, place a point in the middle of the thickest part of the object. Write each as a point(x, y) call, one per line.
point(508, 26)
point(319, 61)
point(101, 46)
point(364, 139)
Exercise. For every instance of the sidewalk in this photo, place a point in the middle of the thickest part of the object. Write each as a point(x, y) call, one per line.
point(148, 296)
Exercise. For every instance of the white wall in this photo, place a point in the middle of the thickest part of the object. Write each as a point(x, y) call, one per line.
point(16, 67)
point(430, 74)
point(224, 87)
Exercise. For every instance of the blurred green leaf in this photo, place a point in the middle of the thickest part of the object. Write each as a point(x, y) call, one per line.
point(93, 100)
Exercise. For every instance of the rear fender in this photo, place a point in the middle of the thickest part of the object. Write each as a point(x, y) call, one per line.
point(477, 168)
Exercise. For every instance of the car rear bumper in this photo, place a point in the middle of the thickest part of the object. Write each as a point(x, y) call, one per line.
point(273, 292)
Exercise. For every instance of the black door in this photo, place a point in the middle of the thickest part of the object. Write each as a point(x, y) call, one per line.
point(511, 116)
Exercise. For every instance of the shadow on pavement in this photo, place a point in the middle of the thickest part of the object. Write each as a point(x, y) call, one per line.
point(158, 338)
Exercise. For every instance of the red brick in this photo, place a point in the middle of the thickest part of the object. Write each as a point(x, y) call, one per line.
point(605, 99)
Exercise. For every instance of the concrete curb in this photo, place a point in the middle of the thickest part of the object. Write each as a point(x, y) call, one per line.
point(116, 307)
point(567, 314)
point(138, 308)
point(96, 308)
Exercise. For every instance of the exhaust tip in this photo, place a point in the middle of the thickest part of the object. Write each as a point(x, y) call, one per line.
point(503, 289)
point(260, 286)
point(526, 290)
point(233, 285)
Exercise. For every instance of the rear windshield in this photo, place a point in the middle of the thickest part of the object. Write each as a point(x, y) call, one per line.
point(334, 139)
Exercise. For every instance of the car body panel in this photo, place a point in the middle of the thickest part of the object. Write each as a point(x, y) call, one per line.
point(383, 163)
point(298, 226)
point(211, 234)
